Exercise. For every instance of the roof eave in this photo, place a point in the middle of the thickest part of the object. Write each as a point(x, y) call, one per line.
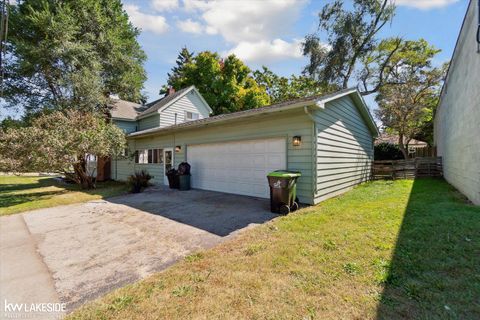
point(154, 131)
point(123, 119)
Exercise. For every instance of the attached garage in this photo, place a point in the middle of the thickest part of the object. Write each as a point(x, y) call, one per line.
point(238, 167)
point(329, 139)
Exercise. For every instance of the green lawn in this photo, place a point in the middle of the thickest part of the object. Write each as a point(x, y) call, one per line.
point(22, 193)
point(386, 250)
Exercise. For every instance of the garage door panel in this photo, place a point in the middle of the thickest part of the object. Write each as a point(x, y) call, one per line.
point(236, 167)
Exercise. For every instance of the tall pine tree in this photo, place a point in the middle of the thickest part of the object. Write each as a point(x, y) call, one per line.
point(174, 78)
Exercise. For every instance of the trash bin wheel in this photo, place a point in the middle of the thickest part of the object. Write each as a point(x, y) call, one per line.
point(294, 206)
point(284, 209)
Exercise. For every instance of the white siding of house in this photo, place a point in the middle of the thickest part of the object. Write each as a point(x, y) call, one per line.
point(457, 119)
point(190, 102)
point(344, 148)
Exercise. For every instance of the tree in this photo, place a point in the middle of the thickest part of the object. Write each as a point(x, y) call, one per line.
point(184, 57)
point(10, 122)
point(59, 142)
point(404, 107)
point(71, 54)
point(226, 84)
point(351, 35)
point(282, 89)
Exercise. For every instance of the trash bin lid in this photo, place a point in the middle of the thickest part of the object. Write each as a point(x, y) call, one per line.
point(284, 174)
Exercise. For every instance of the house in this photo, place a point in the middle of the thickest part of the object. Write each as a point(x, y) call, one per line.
point(176, 107)
point(416, 148)
point(457, 119)
point(329, 139)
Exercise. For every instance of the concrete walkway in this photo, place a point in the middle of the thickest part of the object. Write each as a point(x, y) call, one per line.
point(24, 278)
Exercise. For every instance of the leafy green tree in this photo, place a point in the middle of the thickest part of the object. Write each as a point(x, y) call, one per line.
point(59, 142)
point(71, 53)
point(407, 105)
point(226, 84)
point(282, 89)
point(350, 36)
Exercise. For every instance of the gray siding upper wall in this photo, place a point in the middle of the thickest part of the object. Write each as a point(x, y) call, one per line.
point(285, 124)
point(457, 119)
point(344, 148)
point(149, 122)
point(190, 102)
point(126, 126)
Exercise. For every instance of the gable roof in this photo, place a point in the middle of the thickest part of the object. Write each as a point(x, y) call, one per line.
point(318, 100)
point(126, 110)
point(164, 102)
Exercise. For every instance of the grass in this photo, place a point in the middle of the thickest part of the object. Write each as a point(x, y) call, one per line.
point(386, 250)
point(23, 193)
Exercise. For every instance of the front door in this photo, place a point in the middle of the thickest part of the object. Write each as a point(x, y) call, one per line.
point(167, 162)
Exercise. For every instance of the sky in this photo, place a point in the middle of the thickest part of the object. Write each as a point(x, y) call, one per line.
point(268, 32)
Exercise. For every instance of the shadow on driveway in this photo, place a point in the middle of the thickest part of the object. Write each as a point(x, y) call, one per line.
point(214, 212)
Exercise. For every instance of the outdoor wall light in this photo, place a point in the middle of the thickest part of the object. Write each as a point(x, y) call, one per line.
point(297, 141)
point(178, 148)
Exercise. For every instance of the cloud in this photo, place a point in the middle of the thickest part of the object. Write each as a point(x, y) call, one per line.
point(165, 5)
point(256, 29)
point(267, 51)
point(425, 4)
point(147, 22)
point(190, 26)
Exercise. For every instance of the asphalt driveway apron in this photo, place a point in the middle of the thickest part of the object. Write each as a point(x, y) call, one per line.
point(85, 250)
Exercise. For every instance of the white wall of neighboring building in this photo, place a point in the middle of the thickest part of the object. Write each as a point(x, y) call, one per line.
point(457, 121)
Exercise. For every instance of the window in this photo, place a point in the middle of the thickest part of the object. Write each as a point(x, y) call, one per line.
point(146, 156)
point(191, 116)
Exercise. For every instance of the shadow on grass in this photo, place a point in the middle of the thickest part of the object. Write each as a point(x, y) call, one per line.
point(40, 183)
point(435, 269)
point(38, 188)
point(8, 200)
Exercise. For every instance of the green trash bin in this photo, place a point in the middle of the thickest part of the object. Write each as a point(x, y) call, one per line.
point(283, 191)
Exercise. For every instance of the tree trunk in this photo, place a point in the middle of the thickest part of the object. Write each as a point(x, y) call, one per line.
point(82, 177)
point(402, 146)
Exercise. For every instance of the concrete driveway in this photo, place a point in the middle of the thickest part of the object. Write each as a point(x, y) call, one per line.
point(78, 252)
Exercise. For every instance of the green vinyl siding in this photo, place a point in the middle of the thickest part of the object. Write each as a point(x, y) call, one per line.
point(149, 122)
point(344, 148)
point(126, 126)
point(280, 125)
point(335, 153)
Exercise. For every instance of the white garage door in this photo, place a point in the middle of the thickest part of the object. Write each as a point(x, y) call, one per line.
point(238, 167)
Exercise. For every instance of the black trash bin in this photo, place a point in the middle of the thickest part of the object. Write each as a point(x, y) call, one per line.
point(173, 179)
point(283, 191)
point(184, 180)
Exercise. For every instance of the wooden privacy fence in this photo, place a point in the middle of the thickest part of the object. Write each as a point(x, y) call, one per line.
point(407, 169)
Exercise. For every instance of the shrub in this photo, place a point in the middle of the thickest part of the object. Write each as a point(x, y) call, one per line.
point(139, 181)
point(387, 151)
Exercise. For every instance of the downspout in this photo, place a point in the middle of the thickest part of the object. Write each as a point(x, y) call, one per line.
point(314, 152)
